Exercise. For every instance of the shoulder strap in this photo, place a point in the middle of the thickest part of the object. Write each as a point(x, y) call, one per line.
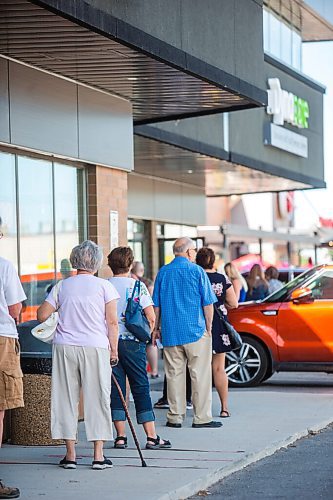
point(136, 286)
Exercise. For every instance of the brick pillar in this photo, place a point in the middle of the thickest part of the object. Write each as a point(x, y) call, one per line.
point(107, 190)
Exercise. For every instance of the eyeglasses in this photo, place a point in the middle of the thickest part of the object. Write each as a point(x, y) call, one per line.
point(194, 249)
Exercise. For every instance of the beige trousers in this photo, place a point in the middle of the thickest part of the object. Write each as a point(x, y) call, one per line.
point(198, 356)
point(88, 368)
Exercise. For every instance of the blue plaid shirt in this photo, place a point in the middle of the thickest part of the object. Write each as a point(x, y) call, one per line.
point(181, 290)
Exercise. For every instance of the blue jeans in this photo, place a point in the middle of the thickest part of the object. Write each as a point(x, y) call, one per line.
point(132, 363)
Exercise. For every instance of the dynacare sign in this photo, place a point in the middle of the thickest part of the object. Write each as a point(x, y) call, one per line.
point(285, 106)
point(282, 138)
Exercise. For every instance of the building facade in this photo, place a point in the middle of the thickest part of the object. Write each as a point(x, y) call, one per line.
point(133, 121)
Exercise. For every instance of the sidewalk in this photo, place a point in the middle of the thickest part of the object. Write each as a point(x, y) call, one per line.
point(262, 421)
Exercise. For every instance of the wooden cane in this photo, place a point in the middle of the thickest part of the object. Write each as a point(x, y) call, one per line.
point(143, 463)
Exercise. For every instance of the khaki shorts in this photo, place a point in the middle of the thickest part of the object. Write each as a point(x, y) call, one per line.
point(11, 384)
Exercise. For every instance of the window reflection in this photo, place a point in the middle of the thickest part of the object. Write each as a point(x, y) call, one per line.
point(137, 234)
point(282, 40)
point(50, 207)
point(69, 223)
point(286, 41)
point(8, 207)
point(296, 50)
point(36, 231)
point(275, 36)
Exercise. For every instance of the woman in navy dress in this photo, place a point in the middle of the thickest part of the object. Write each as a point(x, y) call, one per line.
point(226, 298)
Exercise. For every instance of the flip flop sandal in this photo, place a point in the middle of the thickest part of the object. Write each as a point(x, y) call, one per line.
point(155, 444)
point(120, 446)
point(228, 414)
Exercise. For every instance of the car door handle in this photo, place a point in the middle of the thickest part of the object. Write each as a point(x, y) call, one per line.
point(270, 313)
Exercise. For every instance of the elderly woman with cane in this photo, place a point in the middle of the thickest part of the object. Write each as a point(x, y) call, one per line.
point(84, 346)
point(132, 354)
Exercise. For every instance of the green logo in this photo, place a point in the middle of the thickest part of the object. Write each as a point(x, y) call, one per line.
point(301, 112)
point(286, 107)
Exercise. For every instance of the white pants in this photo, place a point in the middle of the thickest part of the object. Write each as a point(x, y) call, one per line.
point(74, 367)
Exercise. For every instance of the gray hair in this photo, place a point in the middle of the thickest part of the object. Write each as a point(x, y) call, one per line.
point(87, 256)
point(182, 245)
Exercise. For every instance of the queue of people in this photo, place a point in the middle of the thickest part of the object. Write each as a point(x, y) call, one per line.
point(91, 342)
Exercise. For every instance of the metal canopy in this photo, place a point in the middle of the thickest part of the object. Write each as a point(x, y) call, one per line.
point(158, 89)
point(219, 177)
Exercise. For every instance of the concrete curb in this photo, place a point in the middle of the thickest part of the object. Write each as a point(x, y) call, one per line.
point(213, 477)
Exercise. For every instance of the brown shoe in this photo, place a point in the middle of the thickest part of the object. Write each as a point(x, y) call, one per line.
point(8, 492)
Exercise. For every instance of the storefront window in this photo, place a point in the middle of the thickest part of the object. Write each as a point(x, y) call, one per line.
point(8, 244)
point(137, 235)
point(35, 216)
point(50, 209)
point(281, 40)
point(167, 234)
point(296, 50)
point(36, 230)
point(177, 231)
point(275, 36)
point(286, 44)
point(69, 211)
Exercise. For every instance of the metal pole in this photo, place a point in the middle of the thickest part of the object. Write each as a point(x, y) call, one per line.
point(316, 254)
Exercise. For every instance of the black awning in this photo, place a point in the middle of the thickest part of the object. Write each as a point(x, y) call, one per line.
point(90, 46)
point(166, 155)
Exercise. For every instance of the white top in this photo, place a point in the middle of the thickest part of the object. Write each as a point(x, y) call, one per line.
point(124, 287)
point(11, 292)
point(274, 285)
point(82, 300)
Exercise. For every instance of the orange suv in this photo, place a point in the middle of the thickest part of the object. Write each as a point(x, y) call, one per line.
point(290, 330)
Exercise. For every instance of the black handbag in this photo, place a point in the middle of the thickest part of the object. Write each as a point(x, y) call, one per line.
point(235, 339)
point(135, 319)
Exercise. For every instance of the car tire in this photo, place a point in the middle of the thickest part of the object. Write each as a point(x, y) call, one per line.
point(267, 375)
point(247, 366)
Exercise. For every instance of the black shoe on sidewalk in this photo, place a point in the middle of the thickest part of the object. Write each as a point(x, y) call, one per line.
point(102, 464)
point(209, 425)
point(8, 492)
point(67, 464)
point(162, 403)
point(176, 426)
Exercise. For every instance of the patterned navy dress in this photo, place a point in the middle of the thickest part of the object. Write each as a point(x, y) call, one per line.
point(220, 338)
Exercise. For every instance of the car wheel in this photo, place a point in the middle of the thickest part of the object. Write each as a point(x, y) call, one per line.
point(248, 366)
point(267, 375)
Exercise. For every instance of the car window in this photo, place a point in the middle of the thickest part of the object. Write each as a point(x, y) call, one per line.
point(284, 292)
point(322, 286)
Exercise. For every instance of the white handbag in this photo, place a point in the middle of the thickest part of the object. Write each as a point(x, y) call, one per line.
point(45, 331)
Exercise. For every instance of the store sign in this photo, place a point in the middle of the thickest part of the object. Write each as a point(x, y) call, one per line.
point(285, 106)
point(285, 139)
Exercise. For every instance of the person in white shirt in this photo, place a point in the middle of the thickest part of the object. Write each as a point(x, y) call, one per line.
point(132, 354)
point(85, 346)
point(11, 385)
point(272, 275)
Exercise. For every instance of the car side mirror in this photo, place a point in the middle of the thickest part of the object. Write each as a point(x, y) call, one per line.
point(302, 295)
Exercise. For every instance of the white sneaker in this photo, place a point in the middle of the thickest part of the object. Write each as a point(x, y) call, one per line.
point(102, 464)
